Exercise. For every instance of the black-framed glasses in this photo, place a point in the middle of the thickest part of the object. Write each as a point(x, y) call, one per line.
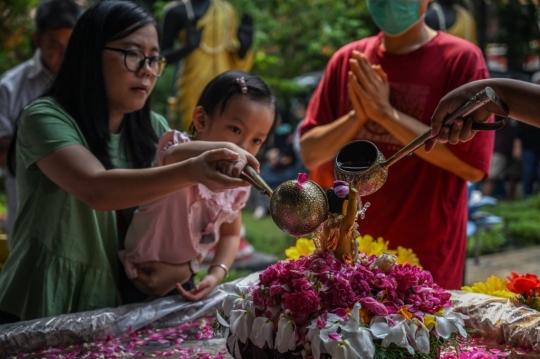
point(134, 60)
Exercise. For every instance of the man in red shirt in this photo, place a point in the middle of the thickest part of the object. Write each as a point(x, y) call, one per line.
point(384, 89)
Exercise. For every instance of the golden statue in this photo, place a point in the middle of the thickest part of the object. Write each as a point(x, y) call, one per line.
point(338, 232)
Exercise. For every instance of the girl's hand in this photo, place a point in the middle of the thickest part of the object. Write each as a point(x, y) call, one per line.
point(159, 278)
point(209, 166)
point(201, 290)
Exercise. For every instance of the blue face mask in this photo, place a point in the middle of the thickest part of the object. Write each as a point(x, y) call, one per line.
point(394, 17)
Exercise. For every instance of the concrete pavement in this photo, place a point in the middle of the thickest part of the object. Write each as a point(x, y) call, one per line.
point(521, 261)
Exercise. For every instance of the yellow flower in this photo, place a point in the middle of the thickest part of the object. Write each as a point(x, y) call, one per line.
point(406, 255)
point(429, 320)
point(367, 245)
point(304, 247)
point(493, 286)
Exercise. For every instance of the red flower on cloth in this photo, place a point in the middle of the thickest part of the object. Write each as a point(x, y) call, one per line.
point(523, 283)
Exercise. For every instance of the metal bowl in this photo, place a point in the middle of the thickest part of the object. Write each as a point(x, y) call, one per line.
point(298, 210)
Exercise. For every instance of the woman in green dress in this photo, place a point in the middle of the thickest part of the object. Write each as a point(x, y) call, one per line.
point(84, 152)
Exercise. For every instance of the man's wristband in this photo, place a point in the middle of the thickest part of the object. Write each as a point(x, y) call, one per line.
point(222, 266)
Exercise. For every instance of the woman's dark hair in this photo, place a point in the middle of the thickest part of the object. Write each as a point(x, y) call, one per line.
point(56, 14)
point(217, 94)
point(79, 86)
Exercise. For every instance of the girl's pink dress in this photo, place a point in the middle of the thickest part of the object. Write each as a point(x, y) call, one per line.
point(182, 226)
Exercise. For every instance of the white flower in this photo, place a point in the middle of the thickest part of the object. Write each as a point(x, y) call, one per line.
point(418, 335)
point(317, 335)
point(286, 335)
point(235, 297)
point(357, 339)
point(232, 344)
point(450, 322)
point(391, 329)
point(241, 323)
point(247, 303)
point(263, 332)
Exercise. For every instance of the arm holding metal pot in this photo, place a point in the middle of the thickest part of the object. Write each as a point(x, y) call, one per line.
point(183, 151)
point(521, 97)
point(369, 86)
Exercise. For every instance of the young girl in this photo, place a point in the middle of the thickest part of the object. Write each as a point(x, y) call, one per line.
point(84, 151)
point(235, 107)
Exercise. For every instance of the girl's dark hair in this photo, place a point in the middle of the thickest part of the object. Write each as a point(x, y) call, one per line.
point(217, 94)
point(79, 86)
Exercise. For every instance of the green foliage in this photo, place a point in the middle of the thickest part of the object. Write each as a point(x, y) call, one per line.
point(521, 226)
point(524, 233)
point(15, 28)
point(265, 236)
point(491, 241)
point(295, 37)
point(162, 90)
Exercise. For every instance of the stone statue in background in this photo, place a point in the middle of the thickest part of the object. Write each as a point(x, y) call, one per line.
point(211, 42)
point(449, 17)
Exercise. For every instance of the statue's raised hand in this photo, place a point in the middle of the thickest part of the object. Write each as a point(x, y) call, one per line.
point(245, 31)
point(193, 35)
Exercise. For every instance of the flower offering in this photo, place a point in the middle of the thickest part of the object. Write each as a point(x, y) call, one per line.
point(335, 301)
point(318, 305)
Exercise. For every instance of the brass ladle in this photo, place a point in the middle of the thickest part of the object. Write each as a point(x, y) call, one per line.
point(364, 166)
point(297, 209)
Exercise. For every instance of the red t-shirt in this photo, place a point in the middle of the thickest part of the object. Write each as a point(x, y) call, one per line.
point(420, 206)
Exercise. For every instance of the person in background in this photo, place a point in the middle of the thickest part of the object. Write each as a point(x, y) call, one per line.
point(504, 164)
point(527, 150)
point(54, 21)
point(84, 154)
point(384, 89)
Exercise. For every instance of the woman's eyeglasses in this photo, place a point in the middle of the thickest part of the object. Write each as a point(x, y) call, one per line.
point(134, 60)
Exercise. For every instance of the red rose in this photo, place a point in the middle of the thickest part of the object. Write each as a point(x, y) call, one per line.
point(302, 304)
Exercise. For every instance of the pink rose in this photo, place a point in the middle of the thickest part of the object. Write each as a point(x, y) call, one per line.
point(374, 306)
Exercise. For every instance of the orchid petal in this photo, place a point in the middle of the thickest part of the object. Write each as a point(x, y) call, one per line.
point(285, 337)
point(263, 332)
point(241, 324)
